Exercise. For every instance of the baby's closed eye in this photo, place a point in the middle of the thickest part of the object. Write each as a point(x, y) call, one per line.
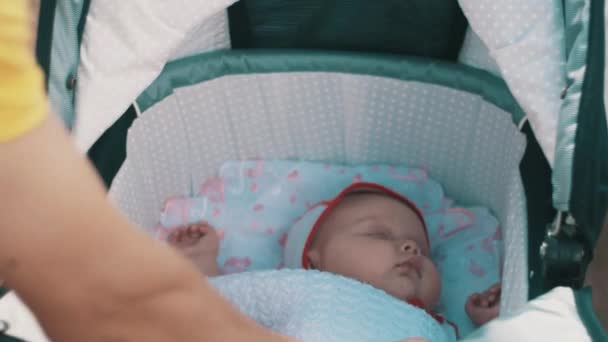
point(384, 236)
point(379, 233)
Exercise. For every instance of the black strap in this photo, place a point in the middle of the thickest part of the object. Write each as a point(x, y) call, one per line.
point(44, 42)
point(536, 176)
point(110, 150)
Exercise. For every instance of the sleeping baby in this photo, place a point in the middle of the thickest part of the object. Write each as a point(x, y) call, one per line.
point(368, 233)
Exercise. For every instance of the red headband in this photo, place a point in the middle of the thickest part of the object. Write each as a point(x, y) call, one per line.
point(336, 200)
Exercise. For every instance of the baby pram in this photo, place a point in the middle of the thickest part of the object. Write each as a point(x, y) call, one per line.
point(502, 100)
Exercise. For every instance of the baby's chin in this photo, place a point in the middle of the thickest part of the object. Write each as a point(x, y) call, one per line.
point(406, 293)
point(409, 294)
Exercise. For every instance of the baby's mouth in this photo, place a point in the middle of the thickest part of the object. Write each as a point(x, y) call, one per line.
point(408, 267)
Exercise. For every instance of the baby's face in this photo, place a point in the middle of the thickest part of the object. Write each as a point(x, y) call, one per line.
point(381, 241)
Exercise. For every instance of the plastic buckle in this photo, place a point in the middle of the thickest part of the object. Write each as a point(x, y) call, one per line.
point(564, 254)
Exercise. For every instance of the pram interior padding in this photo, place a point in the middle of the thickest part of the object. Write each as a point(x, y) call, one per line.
point(469, 145)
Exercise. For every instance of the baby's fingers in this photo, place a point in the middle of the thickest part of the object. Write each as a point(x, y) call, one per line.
point(495, 288)
point(171, 238)
point(176, 236)
point(474, 298)
point(193, 232)
point(203, 228)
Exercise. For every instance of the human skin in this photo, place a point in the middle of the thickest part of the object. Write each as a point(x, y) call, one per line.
point(597, 277)
point(83, 269)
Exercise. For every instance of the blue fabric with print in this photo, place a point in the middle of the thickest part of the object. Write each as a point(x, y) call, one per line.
point(252, 204)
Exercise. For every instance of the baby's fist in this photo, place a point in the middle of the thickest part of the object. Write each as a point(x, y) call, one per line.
point(483, 307)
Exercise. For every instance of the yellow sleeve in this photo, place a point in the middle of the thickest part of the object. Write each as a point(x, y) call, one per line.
point(23, 103)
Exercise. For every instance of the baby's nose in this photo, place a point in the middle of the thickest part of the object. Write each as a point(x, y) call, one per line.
point(410, 246)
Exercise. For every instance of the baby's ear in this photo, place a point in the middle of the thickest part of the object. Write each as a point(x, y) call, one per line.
point(313, 257)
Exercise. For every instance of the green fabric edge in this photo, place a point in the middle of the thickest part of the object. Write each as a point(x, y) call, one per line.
point(67, 29)
point(577, 20)
point(589, 196)
point(8, 338)
point(195, 69)
point(587, 314)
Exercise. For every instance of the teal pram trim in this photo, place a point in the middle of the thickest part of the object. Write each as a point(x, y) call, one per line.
point(577, 40)
point(587, 314)
point(67, 28)
point(196, 69)
point(589, 195)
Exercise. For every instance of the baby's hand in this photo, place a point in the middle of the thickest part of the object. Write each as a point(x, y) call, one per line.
point(199, 243)
point(483, 307)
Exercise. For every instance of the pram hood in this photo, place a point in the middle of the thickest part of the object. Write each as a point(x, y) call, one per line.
point(539, 48)
point(119, 61)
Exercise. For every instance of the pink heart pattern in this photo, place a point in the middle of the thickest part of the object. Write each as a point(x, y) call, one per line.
point(213, 189)
point(236, 265)
point(476, 269)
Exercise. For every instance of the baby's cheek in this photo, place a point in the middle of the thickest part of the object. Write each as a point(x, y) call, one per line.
point(362, 268)
point(340, 260)
point(432, 284)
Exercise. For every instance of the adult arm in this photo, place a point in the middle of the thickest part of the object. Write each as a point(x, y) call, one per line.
point(82, 268)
